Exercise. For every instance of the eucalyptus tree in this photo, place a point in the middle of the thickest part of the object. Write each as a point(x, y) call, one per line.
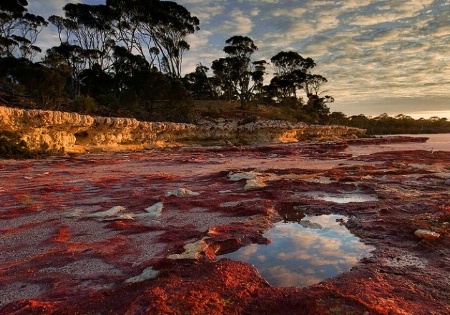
point(173, 25)
point(199, 84)
point(127, 18)
point(70, 61)
point(291, 71)
point(224, 76)
point(86, 42)
point(314, 83)
point(88, 27)
point(127, 65)
point(19, 29)
point(237, 74)
point(257, 73)
point(316, 102)
point(156, 30)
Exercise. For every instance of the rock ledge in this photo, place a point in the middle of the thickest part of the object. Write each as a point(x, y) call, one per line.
point(73, 132)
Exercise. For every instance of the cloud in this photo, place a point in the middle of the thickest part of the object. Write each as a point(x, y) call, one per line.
point(202, 51)
point(351, 5)
point(287, 278)
point(207, 13)
point(260, 1)
point(385, 61)
point(49, 7)
point(255, 12)
point(296, 12)
point(237, 23)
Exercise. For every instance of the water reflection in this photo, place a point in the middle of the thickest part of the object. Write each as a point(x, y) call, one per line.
point(340, 198)
point(304, 254)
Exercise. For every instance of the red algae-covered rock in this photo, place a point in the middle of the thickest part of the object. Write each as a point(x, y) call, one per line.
point(61, 254)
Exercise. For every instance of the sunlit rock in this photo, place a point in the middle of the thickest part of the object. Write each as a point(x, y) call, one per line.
point(119, 217)
point(427, 234)
point(147, 273)
point(152, 211)
point(191, 251)
point(105, 214)
point(155, 210)
point(75, 213)
point(255, 180)
point(255, 184)
point(242, 175)
point(181, 192)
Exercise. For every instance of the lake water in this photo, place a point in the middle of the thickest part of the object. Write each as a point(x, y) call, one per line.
point(305, 252)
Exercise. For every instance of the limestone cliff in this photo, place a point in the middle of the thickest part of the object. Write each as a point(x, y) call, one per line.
point(73, 132)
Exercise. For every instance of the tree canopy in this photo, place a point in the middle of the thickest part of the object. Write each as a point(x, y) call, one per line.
point(237, 74)
point(19, 29)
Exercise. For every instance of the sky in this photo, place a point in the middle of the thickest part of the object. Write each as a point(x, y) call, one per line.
point(379, 56)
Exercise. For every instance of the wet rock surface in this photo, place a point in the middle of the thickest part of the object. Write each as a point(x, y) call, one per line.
point(139, 233)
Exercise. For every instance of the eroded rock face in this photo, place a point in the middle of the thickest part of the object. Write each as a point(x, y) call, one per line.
point(80, 133)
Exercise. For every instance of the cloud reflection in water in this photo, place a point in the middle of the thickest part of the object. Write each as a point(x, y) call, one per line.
point(300, 256)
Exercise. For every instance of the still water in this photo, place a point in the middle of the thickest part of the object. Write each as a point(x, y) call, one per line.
point(305, 252)
point(339, 197)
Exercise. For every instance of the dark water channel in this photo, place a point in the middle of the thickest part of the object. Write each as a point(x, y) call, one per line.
point(304, 250)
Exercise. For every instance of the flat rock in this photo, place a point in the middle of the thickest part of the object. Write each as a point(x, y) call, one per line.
point(97, 234)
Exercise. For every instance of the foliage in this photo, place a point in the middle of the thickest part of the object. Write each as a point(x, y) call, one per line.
point(198, 83)
point(19, 29)
point(236, 72)
point(180, 106)
point(291, 70)
point(85, 104)
point(44, 84)
point(292, 75)
point(154, 30)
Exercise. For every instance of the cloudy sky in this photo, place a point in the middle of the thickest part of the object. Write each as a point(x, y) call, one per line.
point(379, 56)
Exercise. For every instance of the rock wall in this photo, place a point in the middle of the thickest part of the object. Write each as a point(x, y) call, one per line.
point(80, 133)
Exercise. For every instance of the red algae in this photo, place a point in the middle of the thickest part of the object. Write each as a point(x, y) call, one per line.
point(76, 229)
point(62, 235)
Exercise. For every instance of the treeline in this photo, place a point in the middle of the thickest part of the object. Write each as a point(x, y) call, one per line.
point(125, 57)
point(385, 124)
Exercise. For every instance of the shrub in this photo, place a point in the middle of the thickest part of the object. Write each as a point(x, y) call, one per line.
point(85, 104)
point(108, 101)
